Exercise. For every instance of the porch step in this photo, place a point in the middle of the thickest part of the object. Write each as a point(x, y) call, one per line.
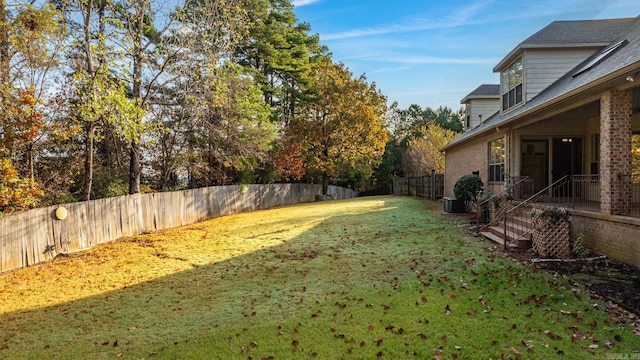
point(496, 239)
point(516, 239)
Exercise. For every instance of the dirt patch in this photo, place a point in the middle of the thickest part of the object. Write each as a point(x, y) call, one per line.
point(615, 281)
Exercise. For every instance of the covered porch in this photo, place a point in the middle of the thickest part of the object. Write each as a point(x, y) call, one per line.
point(584, 158)
point(577, 192)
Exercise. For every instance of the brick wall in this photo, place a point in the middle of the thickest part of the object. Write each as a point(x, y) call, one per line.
point(617, 238)
point(615, 149)
point(467, 158)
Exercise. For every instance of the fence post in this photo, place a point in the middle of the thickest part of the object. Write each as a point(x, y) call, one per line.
point(433, 184)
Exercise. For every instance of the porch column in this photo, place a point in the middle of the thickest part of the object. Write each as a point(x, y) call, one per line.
point(615, 151)
point(508, 161)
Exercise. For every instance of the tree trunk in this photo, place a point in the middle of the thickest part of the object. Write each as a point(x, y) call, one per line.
point(325, 184)
point(135, 168)
point(88, 164)
point(4, 44)
point(5, 83)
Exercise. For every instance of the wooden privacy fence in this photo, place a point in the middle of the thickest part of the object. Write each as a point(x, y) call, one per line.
point(37, 235)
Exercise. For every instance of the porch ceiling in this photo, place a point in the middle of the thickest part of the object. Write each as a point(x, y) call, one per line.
point(582, 112)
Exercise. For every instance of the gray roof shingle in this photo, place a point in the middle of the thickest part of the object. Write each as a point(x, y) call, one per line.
point(578, 33)
point(485, 90)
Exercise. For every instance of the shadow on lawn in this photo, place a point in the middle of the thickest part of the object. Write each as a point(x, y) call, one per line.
point(144, 318)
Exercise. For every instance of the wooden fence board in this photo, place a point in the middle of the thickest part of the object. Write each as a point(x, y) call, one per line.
point(73, 228)
point(12, 243)
point(29, 237)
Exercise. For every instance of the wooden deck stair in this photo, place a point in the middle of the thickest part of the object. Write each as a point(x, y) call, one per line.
point(518, 233)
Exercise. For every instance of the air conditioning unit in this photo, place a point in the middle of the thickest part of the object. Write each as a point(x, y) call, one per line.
point(453, 205)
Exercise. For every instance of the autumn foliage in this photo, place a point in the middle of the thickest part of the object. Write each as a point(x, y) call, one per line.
point(16, 193)
point(341, 130)
point(424, 152)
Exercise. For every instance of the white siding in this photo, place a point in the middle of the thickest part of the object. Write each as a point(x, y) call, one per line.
point(486, 107)
point(544, 66)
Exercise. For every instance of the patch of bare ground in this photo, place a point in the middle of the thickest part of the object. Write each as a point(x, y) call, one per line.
point(615, 281)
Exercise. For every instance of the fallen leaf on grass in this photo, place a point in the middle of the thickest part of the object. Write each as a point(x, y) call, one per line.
point(552, 335)
point(438, 355)
point(577, 336)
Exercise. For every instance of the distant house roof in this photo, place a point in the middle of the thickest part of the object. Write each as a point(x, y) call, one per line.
point(484, 91)
point(623, 62)
point(565, 34)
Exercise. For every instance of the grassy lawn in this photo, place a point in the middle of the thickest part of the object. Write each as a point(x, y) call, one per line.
point(379, 277)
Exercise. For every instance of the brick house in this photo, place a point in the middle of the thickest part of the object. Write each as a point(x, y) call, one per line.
point(566, 113)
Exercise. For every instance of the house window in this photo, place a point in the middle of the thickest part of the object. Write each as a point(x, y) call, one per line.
point(468, 121)
point(496, 160)
point(512, 85)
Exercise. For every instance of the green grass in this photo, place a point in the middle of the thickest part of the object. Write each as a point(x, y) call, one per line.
point(382, 277)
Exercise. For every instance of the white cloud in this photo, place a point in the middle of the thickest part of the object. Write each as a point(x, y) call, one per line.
point(427, 59)
point(391, 69)
point(299, 3)
point(459, 18)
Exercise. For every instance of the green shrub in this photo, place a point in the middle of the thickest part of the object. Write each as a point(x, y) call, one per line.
point(467, 188)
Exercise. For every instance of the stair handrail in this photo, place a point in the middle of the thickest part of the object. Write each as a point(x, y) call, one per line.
point(506, 190)
point(526, 202)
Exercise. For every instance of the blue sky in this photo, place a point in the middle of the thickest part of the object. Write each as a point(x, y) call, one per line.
point(434, 52)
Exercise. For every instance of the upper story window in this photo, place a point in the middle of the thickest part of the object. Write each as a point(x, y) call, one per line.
point(511, 83)
point(467, 111)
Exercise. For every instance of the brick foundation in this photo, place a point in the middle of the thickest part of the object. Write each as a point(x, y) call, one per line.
point(614, 236)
